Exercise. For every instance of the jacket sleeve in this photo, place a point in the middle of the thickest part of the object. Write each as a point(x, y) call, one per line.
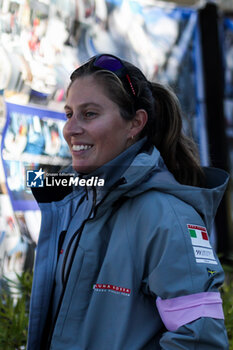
point(202, 334)
point(183, 274)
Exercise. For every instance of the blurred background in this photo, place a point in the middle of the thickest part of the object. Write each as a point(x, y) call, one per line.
point(186, 44)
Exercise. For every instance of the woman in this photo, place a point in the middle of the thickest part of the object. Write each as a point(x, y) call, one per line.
point(127, 266)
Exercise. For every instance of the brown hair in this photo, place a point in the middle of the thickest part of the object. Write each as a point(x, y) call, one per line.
point(164, 125)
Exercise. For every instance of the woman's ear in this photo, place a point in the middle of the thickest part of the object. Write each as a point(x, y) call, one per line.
point(138, 123)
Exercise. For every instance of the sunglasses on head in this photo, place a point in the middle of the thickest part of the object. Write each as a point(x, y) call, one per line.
point(114, 65)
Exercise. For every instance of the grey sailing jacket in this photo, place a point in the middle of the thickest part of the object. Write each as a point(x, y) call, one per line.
point(143, 274)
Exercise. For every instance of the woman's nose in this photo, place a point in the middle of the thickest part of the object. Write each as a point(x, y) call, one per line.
point(73, 126)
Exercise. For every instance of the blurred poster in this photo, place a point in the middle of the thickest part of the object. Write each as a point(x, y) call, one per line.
point(12, 247)
point(32, 138)
point(19, 233)
point(159, 39)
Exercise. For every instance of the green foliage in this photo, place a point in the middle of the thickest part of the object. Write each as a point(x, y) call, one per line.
point(227, 296)
point(14, 309)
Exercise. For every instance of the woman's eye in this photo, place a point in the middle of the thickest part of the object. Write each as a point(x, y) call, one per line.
point(68, 115)
point(90, 114)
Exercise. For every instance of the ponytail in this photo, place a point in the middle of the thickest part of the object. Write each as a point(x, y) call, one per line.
point(179, 152)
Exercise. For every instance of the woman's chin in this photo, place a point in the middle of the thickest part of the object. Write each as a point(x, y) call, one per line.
point(83, 169)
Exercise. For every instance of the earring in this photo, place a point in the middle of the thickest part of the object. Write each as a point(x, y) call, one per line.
point(132, 137)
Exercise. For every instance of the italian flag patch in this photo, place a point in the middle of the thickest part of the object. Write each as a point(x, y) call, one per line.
point(203, 251)
point(199, 236)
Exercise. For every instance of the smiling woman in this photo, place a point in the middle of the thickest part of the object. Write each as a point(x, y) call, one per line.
point(95, 130)
point(126, 266)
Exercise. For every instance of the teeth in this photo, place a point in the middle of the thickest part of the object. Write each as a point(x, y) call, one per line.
point(80, 147)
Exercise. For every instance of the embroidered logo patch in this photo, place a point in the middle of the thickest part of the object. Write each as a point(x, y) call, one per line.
point(201, 246)
point(211, 272)
point(98, 287)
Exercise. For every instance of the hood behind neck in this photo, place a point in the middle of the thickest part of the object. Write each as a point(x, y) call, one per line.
point(148, 172)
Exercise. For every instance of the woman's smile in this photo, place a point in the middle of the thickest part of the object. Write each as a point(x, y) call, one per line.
point(79, 148)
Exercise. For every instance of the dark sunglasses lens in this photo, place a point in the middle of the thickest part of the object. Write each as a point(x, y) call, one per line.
point(109, 63)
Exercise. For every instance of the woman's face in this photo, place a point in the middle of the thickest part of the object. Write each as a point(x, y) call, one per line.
point(95, 131)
